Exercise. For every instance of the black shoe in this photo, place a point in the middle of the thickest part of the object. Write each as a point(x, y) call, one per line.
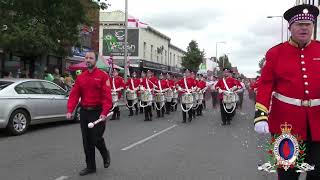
point(184, 121)
point(190, 119)
point(223, 124)
point(137, 112)
point(228, 123)
point(130, 114)
point(86, 171)
point(106, 163)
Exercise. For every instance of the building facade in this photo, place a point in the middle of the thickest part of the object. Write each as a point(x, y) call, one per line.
point(147, 47)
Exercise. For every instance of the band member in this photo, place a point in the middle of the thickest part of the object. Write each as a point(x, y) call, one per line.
point(117, 84)
point(194, 88)
point(143, 75)
point(175, 80)
point(186, 84)
point(92, 88)
point(133, 86)
point(153, 80)
point(224, 86)
point(202, 86)
point(240, 92)
point(147, 85)
point(214, 91)
point(290, 80)
point(171, 86)
point(161, 87)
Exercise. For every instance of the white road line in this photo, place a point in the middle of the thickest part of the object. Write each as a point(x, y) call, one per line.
point(62, 178)
point(148, 138)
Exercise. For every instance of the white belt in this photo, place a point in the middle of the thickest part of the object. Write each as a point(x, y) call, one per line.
point(297, 102)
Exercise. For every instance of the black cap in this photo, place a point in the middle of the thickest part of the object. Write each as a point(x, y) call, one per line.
point(301, 12)
point(227, 69)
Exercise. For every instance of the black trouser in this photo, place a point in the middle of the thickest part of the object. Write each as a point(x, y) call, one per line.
point(239, 104)
point(147, 111)
point(160, 113)
point(141, 108)
point(214, 96)
point(130, 102)
point(225, 117)
point(200, 108)
point(184, 114)
point(92, 137)
point(116, 113)
point(312, 158)
point(168, 107)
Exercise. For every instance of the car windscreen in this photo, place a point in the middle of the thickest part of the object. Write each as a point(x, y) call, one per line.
point(4, 84)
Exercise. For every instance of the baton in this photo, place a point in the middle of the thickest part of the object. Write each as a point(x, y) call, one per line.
point(92, 124)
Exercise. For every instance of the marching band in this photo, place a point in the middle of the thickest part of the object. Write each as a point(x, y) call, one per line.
point(164, 93)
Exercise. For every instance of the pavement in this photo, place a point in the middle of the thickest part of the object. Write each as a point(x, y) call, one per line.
point(163, 149)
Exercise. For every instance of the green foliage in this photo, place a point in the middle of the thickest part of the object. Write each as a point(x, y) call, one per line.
point(193, 57)
point(261, 63)
point(225, 64)
point(41, 26)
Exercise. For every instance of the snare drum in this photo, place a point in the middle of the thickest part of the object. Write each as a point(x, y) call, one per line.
point(175, 95)
point(200, 96)
point(146, 96)
point(229, 98)
point(114, 97)
point(159, 97)
point(195, 96)
point(169, 95)
point(131, 95)
point(187, 98)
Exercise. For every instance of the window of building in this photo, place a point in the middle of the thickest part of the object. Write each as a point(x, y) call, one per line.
point(144, 49)
point(174, 59)
point(165, 57)
point(170, 59)
point(151, 54)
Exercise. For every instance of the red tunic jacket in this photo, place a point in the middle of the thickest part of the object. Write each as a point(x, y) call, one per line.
point(231, 82)
point(293, 72)
point(116, 83)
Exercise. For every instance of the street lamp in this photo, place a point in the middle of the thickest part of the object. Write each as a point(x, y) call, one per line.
point(221, 42)
point(281, 24)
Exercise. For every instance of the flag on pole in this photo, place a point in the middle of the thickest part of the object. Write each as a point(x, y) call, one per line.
point(128, 66)
point(135, 23)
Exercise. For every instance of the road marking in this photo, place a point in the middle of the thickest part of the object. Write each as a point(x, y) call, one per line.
point(62, 178)
point(148, 138)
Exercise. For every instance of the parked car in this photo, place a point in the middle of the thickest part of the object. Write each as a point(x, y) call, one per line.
point(25, 102)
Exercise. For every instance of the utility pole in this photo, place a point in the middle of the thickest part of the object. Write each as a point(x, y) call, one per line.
point(126, 42)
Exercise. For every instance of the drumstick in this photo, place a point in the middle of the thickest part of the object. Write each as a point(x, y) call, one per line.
point(92, 124)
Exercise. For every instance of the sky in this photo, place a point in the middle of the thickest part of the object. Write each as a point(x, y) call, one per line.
point(242, 24)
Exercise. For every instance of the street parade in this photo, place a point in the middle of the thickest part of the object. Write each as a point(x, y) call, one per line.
point(204, 90)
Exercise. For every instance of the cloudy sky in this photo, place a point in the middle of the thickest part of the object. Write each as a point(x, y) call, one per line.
point(242, 24)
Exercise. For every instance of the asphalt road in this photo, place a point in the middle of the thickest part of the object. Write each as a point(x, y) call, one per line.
point(162, 149)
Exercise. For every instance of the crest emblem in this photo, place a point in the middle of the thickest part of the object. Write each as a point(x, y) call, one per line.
point(305, 11)
point(286, 151)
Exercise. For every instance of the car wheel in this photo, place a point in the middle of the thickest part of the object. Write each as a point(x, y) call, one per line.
point(18, 122)
point(77, 114)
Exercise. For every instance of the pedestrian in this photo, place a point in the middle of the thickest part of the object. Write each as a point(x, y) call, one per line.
point(240, 93)
point(290, 80)
point(117, 84)
point(201, 85)
point(226, 87)
point(214, 92)
point(48, 76)
point(171, 86)
point(93, 90)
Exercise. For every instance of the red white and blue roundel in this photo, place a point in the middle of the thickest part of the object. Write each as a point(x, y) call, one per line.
point(286, 150)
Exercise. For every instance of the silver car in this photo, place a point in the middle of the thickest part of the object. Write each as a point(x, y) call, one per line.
point(25, 102)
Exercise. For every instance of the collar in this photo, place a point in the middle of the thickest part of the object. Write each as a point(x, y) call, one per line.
point(94, 69)
point(295, 43)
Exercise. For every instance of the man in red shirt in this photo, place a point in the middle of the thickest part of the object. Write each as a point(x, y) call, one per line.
point(117, 85)
point(290, 80)
point(161, 87)
point(171, 86)
point(147, 85)
point(202, 86)
point(133, 85)
point(226, 85)
point(142, 76)
point(186, 85)
point(153, 80)
point(93, 88)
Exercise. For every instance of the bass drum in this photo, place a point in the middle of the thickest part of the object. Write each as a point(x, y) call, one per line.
point(114, 97)
point(159, 97)
point(229, 98)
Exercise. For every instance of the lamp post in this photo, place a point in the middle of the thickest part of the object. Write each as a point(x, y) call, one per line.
point(281, 24)
point(221, 42)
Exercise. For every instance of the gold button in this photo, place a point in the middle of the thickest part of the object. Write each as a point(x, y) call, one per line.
point(306, 83)
point(304, 69)
point(307, 92)
point(305, 76)
point(302, 62)
point(302, 56)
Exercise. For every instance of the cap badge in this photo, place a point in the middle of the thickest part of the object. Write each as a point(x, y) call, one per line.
point(305, 11)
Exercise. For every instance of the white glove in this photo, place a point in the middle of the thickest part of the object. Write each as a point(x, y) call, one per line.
point(261, 127)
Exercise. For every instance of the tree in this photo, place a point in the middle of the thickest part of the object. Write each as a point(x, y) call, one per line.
point(225, 64)
point(193, 57)
point(261, 64)
point(36, 27)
